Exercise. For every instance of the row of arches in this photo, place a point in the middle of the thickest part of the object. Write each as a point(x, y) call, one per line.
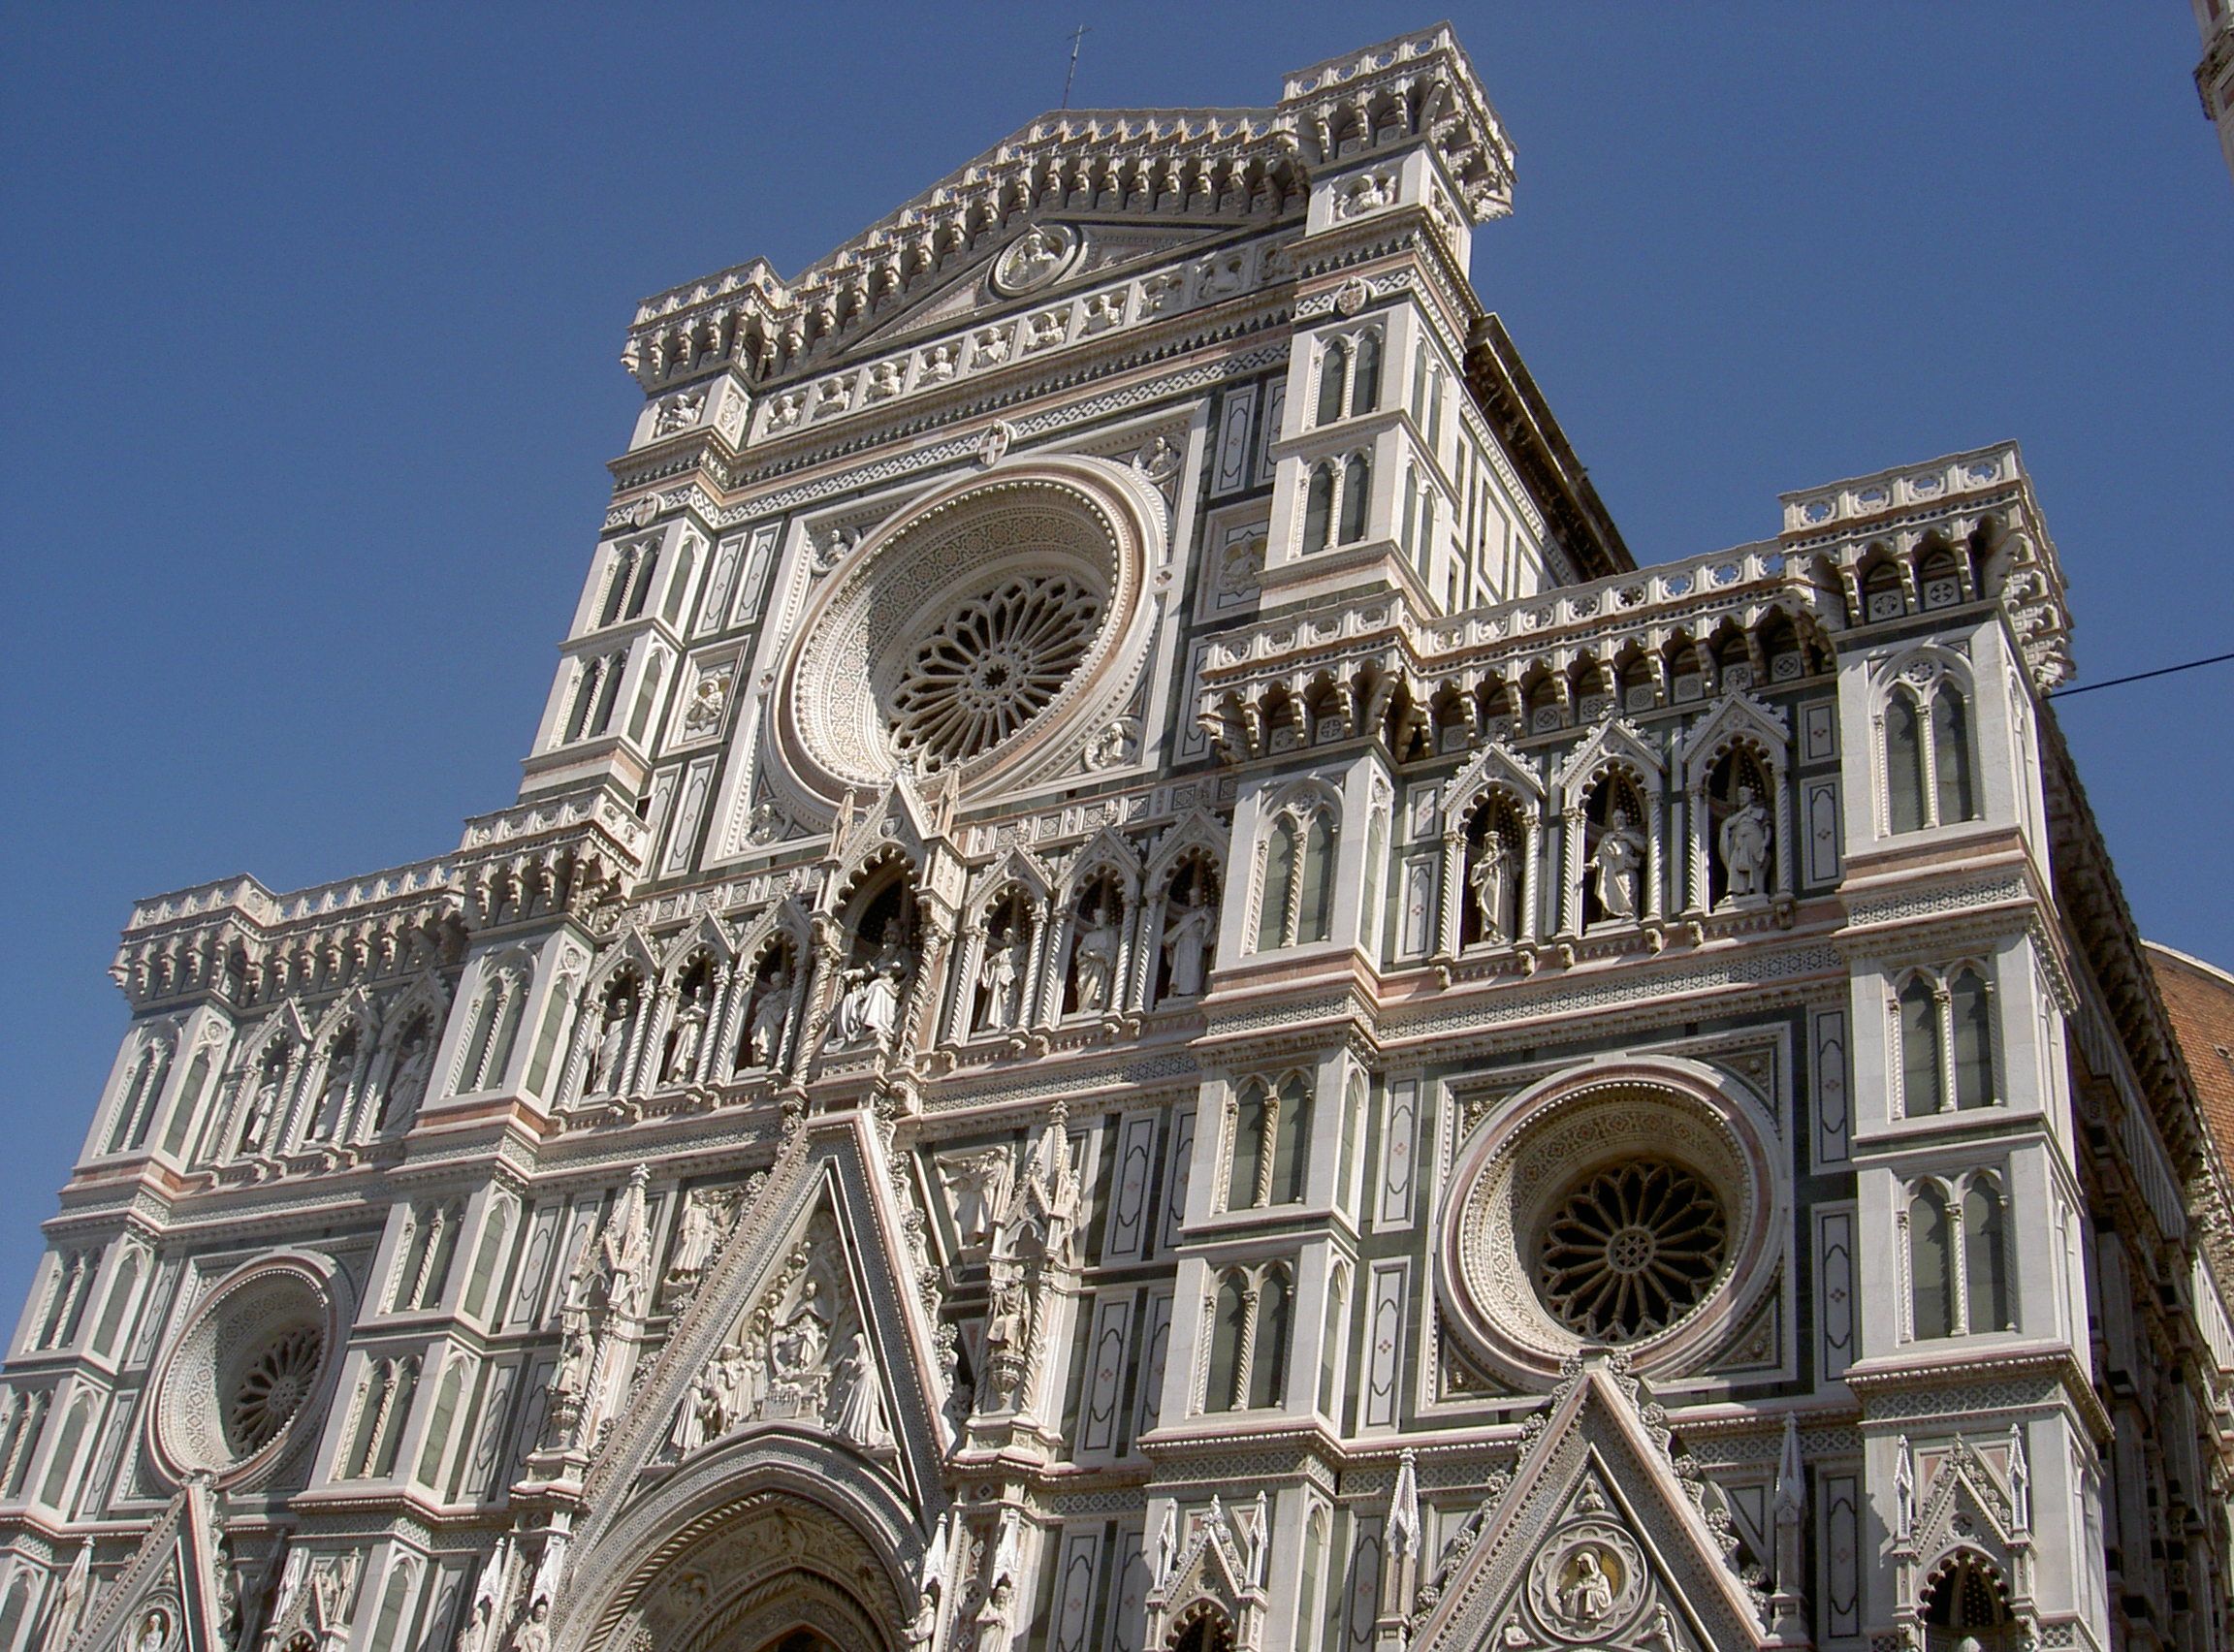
point(1419, 714)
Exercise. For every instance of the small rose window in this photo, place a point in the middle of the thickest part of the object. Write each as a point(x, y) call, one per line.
point(1631, 1250)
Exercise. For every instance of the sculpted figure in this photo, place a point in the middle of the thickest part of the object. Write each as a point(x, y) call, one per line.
point(870, 1009)
point(771, 1014)
point(534, 1632)
point(408, 1088)
point(858, 1414)
point(1744, 843)
point(1002, 976)
point(689, 1032)
point(696, 1232)
point(1588, 1595)
point(801, 1340)
point(264, 1103)
point(154, 1631)
point(1186, 944)
point(612, 1048)
point(1491, 881)
point(1094, 959)
point(996, 1619)
point(1619, 857)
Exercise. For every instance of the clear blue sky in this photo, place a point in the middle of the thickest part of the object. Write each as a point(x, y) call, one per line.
point(313, 315)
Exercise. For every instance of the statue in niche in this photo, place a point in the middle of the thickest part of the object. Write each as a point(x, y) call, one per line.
point(858, 1414)
point(1002, 976)
point(1618, 862)
point(154, 1631)
point(333, 1094)
point(1745, 841)
point(1187, 937)
point(605, 1061)
point(1491, 881)
point(939, 364)
point(577, 1353)
point(771, 1014)
point(407, 1088)
point(689, 1033)
point(869, 1010)
point(700, 1419)
point(996, 1619)
point(534, 1632)
point(1094, 958)
point(265, 1105)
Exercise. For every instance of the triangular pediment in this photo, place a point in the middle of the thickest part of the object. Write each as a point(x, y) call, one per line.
point(1612, 742)
point(1737, 716)
point(1594, 1538)
point(168, 1588)
point(808, 1326)
point(1496, 765)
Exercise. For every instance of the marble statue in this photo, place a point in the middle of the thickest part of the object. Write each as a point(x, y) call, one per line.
point(1744, 843)
point(1094, 959)
point(1617, 861)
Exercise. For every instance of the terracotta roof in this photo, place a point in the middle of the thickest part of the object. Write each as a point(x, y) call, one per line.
point(2200, 999)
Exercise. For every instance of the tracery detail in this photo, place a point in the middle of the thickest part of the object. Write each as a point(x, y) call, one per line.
point(1631, 1250)
point(996, 662)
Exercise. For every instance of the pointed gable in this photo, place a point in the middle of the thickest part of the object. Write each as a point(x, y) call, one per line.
point(170, 1588)
point(1594, 1538)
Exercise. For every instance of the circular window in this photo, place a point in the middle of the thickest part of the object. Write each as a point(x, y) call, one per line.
point(1631, 1250)
point(993, 630)
point(1633, 1204)
point(247, 1369)
point(270, 1388)
point(996, 662)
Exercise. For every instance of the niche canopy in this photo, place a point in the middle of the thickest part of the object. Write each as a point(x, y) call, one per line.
point(989, 631)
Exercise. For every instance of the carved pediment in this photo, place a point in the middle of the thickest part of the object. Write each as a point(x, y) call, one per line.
point(171, 1593)
point(1593, 1538)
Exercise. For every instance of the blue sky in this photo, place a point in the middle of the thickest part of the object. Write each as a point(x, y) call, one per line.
point(313, 315)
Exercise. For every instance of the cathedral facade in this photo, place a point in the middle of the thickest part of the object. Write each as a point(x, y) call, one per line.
point(1142, 993)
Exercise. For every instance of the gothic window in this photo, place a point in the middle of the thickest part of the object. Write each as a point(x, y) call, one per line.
point(1971, 1009)
point(638, 577)
point(13, 1610)
point(646, 695)
point(1204, 1629)
point(1928, 771)
point(995, 662)
point(596, 687)
point(1966, 1595)
point(1253, 1124)
point(394, 1597)
point(1349, 377)
point(1229, 1331)
point(1299, 886)
point(430, 1241)
point(1250, 1314)
point(1930, 1264)
point(496, 1228)
point(372, 1391)
point(1288, 1172)
point(66, 1446)
point(1357, 495)
point(24, 1444)
point(1946, 1038)
point(119, 1303)
point(135, 1111)
point(446, 1398)
point(188, 1104)
point(678, 587)
point(1330, 1349)
point(1921, 1091)
point(496, 1028)
point(1333, 380)
point(1985, 1258)
point(66, 1307)
point(1319, 508)
point(395, 1416)
point(1268, 1353)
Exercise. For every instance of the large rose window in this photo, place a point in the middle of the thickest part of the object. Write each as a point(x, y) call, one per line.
point(993, 630)
point(1636, 1204)
point(241, 1389)
point(1631, 1250)
point(996, 662)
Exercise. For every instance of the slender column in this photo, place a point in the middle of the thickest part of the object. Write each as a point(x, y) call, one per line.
point(1571, 873)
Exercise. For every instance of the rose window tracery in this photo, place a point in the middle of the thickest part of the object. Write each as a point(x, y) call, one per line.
point(1631, 1250)
point(271, 1389)
point(993, 665)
